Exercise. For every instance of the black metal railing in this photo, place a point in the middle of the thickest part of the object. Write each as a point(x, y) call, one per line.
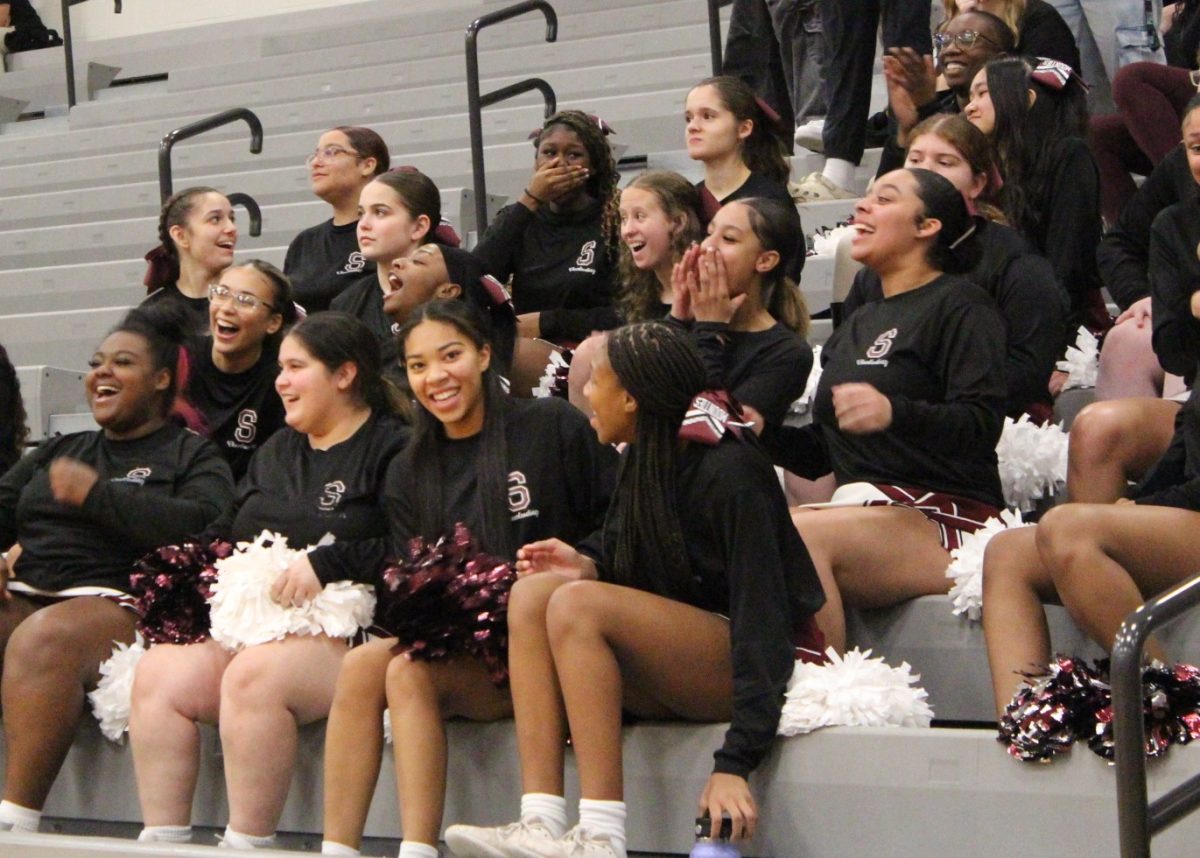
point(714, 33)
point(69, 47)
point(476, 102)
point(236, 114)
point(1138, 819)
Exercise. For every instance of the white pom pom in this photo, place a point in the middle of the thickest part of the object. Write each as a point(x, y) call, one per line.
point(551, 380)
point(387, 726)
point(1032, 461)
point(825, 243)
point(1081, 362)
point(244, 614)
point(853, 690)
point(110, 700)
point(804, 404)
point(966, 567)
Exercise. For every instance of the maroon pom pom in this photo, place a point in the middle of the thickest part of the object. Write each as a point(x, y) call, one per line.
point(446, 599)
point(172, 585)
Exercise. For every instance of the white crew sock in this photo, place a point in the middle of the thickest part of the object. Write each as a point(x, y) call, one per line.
point(411, 849)
point(236, 840)
point(329, 847)
point(840, 172)
point(166, 834)
point(604, 817)
point(550, 809)
point(13, 817)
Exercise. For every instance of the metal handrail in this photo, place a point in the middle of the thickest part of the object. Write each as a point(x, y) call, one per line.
point(1138, 820)
point(236, 114)
point(714, 33)
point(476, 102)
point(69, 47)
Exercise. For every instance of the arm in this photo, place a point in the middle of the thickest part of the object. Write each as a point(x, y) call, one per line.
point(1176, 332)
point(500, 244)
point(358, 560)
point(1030, 302)
point(202, 492)
point(778, 380)
point(799, 449)
point(1072, 225)
point(11, 484)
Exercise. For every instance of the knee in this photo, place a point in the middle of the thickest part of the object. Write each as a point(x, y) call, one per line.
point(409, 679)
point(363, 672)
point(1096, 432)
point(249, 682)
point(528, 600)
point(157, 680)
point(1126, 84)
point(43, 644)
point(574, 608)
point(1008, 555)
point(1061, 534)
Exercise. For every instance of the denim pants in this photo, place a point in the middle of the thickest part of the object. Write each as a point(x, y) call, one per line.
point(1110, 34)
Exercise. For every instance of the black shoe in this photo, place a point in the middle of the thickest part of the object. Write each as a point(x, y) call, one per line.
point(31, 39)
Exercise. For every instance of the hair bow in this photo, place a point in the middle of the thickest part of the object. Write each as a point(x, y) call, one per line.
point(710, 415)
point(1054, 74)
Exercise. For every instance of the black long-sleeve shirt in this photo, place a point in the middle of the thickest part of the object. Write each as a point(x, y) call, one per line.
point(938, 354)
point(1033, 307)
point(363, 299)
point(1124, 252)
point(1174, 277)
point(766, 370)
point(322, 261)
point(748, 563)
point(151, 491)
point(1044, 33)
point(304, 493)
point(559, 267)
point(194, 310)
point(241, 409)
point(560, 478)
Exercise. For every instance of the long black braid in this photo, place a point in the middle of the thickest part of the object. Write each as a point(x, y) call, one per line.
point(660, 368)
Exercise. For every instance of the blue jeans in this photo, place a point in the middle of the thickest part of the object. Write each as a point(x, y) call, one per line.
point(1111, 34)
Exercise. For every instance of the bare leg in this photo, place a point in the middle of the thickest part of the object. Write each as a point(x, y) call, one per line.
point(52, 660)
point(1015, 586)
point(268, 692)
point(1128, 366)
point(354, 740)
point(541, 720)
point(871, 557)
point(662, 657)
point(1106, 560)
point(581, 370)
point(421, 695)
point(174, 687)
point(1116, 441)
point(800, 490)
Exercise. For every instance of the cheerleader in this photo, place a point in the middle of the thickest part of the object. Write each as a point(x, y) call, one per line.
point(514, 471)
point(197, 236)
point(323, 474)
point(232, 383)
point(689, 604)
point(324, 259)
point(84, 507)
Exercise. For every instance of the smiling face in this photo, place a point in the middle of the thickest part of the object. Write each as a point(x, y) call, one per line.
point(731, 235)
point(957, 63)
point(1191, 142)
point(341, 175)
point(646, 229)
point(416, 280)
point(124, 390)
point(936, 153)
point(445, 371)
point(311, 392)
point(712, 130)
point(238, 330)
point(979, 110)
point(890, 221)
point(614, 411)
point(209, 235)
point(386, 229)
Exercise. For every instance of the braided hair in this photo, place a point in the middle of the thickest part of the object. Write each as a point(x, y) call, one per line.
point(14, 432)
point(423, 455)
point(603, 178)
point(661, 369)
point(164, 259)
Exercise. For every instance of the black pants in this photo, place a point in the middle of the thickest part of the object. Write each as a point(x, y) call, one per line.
point(22, 15)
point(850, 27)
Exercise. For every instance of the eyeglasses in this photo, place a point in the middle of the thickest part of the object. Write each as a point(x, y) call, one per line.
point(966, 39)
point(326, 154)
point(219, 293)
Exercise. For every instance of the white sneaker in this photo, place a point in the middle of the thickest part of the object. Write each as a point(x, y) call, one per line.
point(581, 843)
point(808, 135)
point(531, 839)
point(816, 188)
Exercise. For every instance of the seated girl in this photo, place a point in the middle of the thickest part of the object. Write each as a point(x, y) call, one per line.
point(14, 429)
point(84, 508)
point(558, 242)
point(514, 471)
point(690, 604)
point(197, 236)
point(232, 382)
point(909, 407)
point(322, 474)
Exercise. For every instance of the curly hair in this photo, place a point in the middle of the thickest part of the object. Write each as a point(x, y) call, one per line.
point(602, 182)
point(639, 299)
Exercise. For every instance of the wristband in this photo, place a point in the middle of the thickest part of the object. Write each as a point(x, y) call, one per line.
point(537, 200)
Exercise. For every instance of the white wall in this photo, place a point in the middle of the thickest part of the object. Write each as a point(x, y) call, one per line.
point(95, 19)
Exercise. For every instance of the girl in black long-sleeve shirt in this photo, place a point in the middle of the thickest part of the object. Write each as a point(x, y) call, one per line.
point(513, 471)
point(83, 508)
point(689, 604)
